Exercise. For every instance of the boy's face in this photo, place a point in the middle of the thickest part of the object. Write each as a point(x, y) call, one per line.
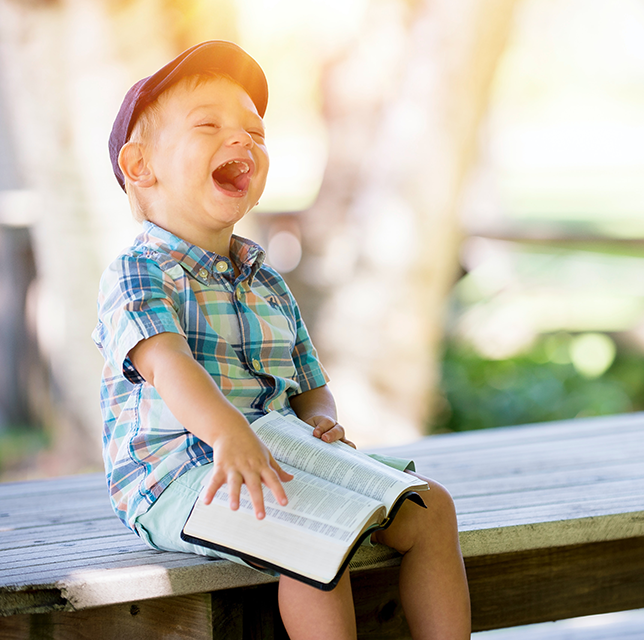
point(209, 160)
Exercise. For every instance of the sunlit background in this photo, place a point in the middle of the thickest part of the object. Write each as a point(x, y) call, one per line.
point(547, 320)
point(455, 197)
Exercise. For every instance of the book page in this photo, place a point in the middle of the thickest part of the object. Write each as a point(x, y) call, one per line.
point(294, 537)
point(291, 441)
point(329, 511)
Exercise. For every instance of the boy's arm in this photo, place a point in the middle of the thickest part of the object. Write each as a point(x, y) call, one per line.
point(317, 408)
point(166, 362)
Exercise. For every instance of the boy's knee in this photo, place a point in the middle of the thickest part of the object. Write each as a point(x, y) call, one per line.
point(438, 517)
point(414, 524)
point(438, 500)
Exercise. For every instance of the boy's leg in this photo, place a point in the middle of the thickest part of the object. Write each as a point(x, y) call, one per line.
point(311, 614)
point(433, 584)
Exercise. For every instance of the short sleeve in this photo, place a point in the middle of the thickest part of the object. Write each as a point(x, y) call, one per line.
point(311, 373)
point(137, 300)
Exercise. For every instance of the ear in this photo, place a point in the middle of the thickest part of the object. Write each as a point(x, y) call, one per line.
point(135, 166)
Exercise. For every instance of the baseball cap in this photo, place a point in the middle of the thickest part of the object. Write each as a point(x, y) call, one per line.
point(219, 56)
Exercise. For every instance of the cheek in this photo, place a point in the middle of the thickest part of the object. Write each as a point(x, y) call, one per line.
point(262, 164)
point(262, 157)
point(259, 184)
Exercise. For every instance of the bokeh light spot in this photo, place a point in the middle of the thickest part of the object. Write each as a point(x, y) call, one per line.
point(592, 354)
point(284, 251)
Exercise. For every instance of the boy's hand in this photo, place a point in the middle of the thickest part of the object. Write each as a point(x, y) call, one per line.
point(240, 457)
point(328, 429)
point(316, 407)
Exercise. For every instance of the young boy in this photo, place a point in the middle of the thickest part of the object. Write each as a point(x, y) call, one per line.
point(200, 337)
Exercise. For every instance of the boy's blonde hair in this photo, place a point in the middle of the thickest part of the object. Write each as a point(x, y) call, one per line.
point(147, 125)
point(143, 133)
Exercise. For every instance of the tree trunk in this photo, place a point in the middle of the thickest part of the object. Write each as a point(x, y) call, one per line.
point(403, 107)
point(36, 40)
point(20, 370)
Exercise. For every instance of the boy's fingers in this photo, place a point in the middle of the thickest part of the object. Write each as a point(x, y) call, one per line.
point(322, 425)
point(329, 431)
point(272, 481)
point(235, 481)
point(335, 433)
point(284, 476)
point(256, 497)
point(216, 482)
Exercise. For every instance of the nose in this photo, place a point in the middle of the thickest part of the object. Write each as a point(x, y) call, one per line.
point(240, 137)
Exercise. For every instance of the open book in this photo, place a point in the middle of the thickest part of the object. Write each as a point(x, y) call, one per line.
point(338, 497)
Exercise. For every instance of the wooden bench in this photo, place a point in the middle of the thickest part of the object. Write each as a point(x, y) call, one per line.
point(551, 521)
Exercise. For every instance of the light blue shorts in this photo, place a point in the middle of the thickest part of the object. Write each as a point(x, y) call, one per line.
point(160, 526)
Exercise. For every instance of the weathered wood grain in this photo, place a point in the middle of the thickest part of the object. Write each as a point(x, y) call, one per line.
point(551, 521)
point(379, 613)
point(520, 588)
point(181, 618)
point(552, 584)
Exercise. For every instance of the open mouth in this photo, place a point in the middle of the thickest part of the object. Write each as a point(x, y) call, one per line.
point(233, 176)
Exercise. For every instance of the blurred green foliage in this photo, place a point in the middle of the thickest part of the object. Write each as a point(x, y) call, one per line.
point(537, 386)
point(18, 443)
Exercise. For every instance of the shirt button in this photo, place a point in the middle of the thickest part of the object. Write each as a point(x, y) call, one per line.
point(238, 294)
point(221, 266)
point(203, 273)
point(256, 365)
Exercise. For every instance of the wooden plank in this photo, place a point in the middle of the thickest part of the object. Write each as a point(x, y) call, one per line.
point(618, 492)
point(527, 515)
point(518, 460)
point(228, 615)
point(539, 509)
point(527, 442)
point(65, 552)
point(56, 568)
point(446, 446)
point(379, 614)
point(112, 523)
point(511, 484)
point(623, 426)
point(35, 537)
point(247, 614)
point(41, 532)
point(261, 613)
point(531, 438)
point(180, 618)
point(52, 572)
point(552, 584)
point(55, 486)
point(94, 587)
point(519, 588)
point(52, 491)
point(64, 516)
point(505, 539)
point(40, 598)
point(16, 508)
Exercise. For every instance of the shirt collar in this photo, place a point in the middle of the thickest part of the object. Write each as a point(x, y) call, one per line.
point(248, 255)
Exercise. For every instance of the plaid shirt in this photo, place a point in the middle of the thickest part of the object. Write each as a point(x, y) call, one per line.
point(246, 331)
